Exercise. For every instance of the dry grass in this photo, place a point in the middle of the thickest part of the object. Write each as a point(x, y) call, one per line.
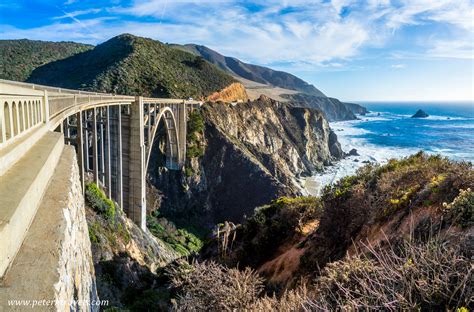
point(433, 276)
point(430, 276)
point(209, 286)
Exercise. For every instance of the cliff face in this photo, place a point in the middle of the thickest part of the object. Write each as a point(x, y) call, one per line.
point(334, 109)
point(252, 153)
point(357, 109)
point(125, 258)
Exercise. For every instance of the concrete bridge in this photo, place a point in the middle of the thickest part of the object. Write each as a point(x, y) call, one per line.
point(113, 136)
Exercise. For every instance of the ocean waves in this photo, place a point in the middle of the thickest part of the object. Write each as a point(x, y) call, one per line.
point(392, 133)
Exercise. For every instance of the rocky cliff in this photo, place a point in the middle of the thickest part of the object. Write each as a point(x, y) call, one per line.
point(357, 109)
point(250, 153)
point(334, 109)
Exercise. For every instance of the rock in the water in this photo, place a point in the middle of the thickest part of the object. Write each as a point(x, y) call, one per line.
point(353, 152)
point(420, 114)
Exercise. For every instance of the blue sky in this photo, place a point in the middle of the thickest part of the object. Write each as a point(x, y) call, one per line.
point(350, 49)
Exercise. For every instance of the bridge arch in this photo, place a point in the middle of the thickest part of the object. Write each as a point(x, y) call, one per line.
point(15, 119)
point(30, 109)
point(8, 121)
point(21, 113)
point(172, 152)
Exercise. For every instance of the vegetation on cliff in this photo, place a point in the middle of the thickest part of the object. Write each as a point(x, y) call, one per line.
point(394, 237)
point(18, 58)
point(132, 65)
point(179, 239)
point(429, 276)
point(125, 258)
point(334, 109)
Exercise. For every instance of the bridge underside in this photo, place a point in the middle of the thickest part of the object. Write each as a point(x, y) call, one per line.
point(114, 145)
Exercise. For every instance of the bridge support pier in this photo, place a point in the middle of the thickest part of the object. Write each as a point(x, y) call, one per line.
point(137, 186)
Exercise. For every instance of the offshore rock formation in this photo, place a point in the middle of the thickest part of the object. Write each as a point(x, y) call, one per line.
point(420, 114)
point(252, 153)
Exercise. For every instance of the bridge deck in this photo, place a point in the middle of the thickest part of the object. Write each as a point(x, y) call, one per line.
point(21, 190)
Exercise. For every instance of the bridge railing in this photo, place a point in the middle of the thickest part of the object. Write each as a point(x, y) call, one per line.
point(24, 106)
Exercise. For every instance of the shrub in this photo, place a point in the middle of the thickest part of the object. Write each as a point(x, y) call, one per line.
point(181, 240)
point(195, 127)
point(427, 276)
point(461, 209)
point(209, 286)
point(99, 202)
point(272, 224)
point(378, 194)
point(93, 232)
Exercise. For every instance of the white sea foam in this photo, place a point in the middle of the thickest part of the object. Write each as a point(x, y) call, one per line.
point(435, 117)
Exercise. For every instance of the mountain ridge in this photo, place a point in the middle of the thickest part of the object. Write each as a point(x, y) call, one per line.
point(251, 72)
point(279, 85)
point(132, 65)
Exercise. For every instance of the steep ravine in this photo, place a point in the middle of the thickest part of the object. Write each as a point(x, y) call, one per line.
point(251, 153)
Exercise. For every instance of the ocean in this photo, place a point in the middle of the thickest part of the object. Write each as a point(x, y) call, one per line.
point(388, 131)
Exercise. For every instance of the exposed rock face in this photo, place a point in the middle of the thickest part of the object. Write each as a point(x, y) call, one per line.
point(356, 108)
point(420, 114)
point(332, 108)
point(254, 152)
point(232, 93)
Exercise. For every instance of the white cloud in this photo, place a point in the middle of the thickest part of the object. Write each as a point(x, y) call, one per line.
point(460, 49)
point(77, 13)
point(398, 66)
point(309, 32)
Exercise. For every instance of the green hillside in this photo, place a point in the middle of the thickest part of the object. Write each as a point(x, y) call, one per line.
point(132, 65)
point(18, 58)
